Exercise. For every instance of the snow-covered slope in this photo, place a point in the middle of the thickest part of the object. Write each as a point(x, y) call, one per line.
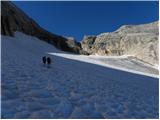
point(123, 63)
point(69, 88)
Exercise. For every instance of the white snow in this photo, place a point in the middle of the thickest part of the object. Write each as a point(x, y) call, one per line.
point(75, 86)
point(123, 63)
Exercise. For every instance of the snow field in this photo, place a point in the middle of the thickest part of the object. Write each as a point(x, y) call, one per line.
point(69, 88)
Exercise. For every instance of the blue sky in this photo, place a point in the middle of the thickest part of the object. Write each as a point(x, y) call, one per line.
point(88, 18)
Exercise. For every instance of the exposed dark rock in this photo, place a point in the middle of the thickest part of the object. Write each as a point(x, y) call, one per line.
point(13, 19)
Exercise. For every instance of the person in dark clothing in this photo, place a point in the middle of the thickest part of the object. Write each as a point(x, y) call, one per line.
point(48, 60)
point(44, 60)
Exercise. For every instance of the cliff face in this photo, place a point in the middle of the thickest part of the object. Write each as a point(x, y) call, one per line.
point(13, 19)
point(140, 41)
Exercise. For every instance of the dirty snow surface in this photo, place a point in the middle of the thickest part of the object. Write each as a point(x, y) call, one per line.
point(69, 88)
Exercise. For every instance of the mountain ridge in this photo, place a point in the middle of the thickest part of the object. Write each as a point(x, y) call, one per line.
point(14, 19)
point(140, 41)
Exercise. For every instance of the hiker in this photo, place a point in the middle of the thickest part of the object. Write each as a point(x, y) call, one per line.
point(48, 60)
point(44, 60)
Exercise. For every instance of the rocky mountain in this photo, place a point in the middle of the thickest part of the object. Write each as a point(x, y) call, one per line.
point(140, 41)
point(13, 19)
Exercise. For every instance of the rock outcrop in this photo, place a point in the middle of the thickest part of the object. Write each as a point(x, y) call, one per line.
point(87, 43)
point(72, 43)
point(140, 41)
point(13, 19)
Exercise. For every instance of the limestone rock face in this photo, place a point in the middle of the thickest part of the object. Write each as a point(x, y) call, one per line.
point(72, 43)
point(87, 43)
point(140, 41)
point(13, 19)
